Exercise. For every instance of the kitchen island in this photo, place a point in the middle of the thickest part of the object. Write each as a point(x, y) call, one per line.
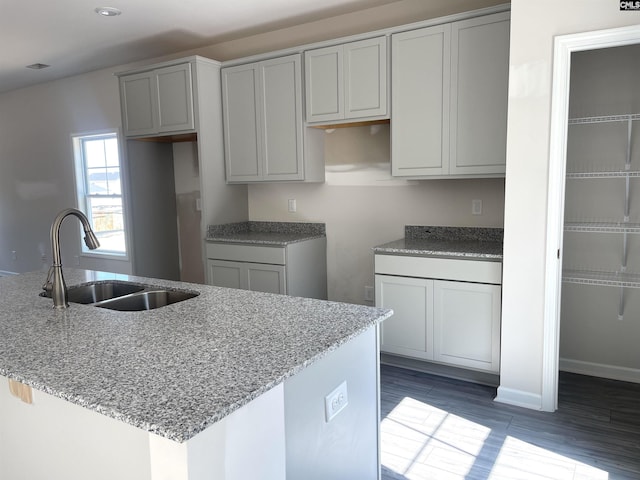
point(228, 384)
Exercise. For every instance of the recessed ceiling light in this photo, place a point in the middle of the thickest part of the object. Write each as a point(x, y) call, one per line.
point(108, 11)
point(38, 66)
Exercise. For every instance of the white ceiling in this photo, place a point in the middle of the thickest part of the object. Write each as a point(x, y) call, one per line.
point(72, 38)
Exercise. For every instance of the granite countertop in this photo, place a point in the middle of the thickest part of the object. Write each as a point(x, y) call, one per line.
point(175, 370)
point(450, 242)
point(265, 233)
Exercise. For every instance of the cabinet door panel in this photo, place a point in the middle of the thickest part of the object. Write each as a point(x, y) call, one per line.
point(408, 331)
point(324, 84)
point(139, 104)
point(266, 278)
point(365, 71)
point(175, 99)
point(225, 274)
point(247, 276)
point(242, 135)
point(282, 118)
point(420, 102)
point(480, 82)
point(467, 324)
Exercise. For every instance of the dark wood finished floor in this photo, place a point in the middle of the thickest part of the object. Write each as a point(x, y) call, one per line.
point(437, 428)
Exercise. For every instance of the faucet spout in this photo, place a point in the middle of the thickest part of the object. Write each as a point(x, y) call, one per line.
point(55, 283)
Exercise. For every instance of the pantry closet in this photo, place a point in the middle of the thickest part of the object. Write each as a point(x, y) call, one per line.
point(600, 310)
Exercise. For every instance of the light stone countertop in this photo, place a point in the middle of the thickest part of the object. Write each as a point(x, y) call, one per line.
point(279, 234)
point(471, 250)
point(175, 370)
point(448, 242)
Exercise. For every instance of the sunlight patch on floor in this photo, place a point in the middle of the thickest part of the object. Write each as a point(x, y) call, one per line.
point(420, 441)
point(518, 459)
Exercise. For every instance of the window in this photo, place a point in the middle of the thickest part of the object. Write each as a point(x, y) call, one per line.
point(99, 185)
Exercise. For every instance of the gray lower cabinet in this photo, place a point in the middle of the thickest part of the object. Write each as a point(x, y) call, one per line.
point(445, 310)
point(298, 269)
point(248, 276)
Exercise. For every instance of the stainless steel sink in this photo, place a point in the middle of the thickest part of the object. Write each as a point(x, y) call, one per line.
point(125, 296)
point(97, 292)
point(147, 300)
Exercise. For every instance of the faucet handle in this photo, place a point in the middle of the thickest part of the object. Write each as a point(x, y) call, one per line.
point(48, 286)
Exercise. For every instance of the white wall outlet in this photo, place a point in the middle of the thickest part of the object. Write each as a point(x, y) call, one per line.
point(292, 205)
point(76, 259)
point(476, 207)
point(14, 255)
point(368, 294)
point(336, 401)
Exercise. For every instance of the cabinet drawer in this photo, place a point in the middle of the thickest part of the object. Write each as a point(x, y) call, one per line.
point(246, 253)
point(440, 268)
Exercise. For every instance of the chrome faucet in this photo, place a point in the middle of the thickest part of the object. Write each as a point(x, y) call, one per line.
point(54, 285)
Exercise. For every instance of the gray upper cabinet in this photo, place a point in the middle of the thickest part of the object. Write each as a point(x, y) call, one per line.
point(263, 124)
point(479, 95)
point(347, 82)
point(158, 102)
point(449, 99)
point(242, 136)
point(420, 102)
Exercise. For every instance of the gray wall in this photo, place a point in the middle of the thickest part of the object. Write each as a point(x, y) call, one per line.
point(363, 206)
point(37, 167)
point(153, 210)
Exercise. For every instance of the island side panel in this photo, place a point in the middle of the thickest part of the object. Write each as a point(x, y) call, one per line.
point(347, 445)
point(52, 438)
point(248, 443)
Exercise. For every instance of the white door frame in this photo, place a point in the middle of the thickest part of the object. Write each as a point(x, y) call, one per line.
point(564, 46)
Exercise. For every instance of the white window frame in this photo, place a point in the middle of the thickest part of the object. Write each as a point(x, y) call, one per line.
point(80, 182)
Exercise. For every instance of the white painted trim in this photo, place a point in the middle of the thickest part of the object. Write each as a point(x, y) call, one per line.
point(613, 372)
point(564, 46)
point(519, 398)
point(555, 222)
point(6, 273)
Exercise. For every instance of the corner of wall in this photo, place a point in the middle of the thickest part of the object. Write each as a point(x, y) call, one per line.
point(519, 398)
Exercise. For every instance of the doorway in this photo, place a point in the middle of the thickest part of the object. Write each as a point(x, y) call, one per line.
point(564, 47)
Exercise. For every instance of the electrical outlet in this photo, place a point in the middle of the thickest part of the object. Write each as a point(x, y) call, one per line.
point(476, 207)
point(368, 294)
point(336, 401)
point(14, 255)
point(292, 205)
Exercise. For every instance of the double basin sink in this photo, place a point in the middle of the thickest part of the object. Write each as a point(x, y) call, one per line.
point(126, 296)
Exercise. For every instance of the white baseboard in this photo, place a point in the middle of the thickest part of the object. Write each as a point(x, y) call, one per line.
point(5, 273)
point(613, 372)
point(519, 398)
